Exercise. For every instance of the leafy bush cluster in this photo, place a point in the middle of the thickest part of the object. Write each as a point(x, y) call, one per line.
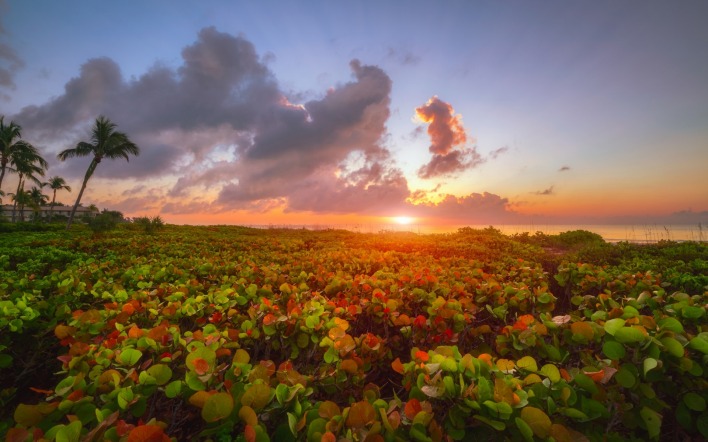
point(227, 333)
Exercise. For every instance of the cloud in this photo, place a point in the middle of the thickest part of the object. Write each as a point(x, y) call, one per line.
point(475, 208)
point(219, 122)
point(302, 152)
point(10, 62)
point(448, 138)
point(496, 152)
point(548, 191)
point(403, 56)
point(564, 169)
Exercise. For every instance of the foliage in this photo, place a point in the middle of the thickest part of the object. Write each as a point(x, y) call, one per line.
point(149, 225)
point(229, 333)
point(102, 222)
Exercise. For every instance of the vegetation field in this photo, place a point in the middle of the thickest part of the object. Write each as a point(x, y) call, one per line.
point(228, 333)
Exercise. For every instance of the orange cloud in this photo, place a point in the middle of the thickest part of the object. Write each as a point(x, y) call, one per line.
point(445, 128)
point(448, 138)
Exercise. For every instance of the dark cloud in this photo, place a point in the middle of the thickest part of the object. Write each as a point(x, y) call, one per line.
point(545, 192)
point(301, 151)
point(220, 121)
point(475, 208)
point(564, 169)
point(448, 138)
point(403, 57)
point(496, 152)
point(10, 62)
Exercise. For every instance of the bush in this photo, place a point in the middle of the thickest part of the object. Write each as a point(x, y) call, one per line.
point(102, 223)
point(149, 225)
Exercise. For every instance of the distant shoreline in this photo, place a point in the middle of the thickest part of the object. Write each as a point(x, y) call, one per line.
point(636, 233)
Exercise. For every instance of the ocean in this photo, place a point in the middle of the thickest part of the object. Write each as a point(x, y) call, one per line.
point(637, 233)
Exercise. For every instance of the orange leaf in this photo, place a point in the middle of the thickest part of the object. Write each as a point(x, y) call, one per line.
point(422, 356)
point(486, 357)
point(596, 376)
point(583, 329)
point(269, 319)
point(75, 395)
point(147, 433)
point(135, 332)
point(20, 435)
point(329, 437)
point(328, 410)
point(128, 308)
point(349, 366)
point(39, 390)
point(397, 366)
point(412, 408)
point(249, 433)
point(565, 375)
point(360, 414)
point(223, 352)
point(63, 331)
point(201, 366)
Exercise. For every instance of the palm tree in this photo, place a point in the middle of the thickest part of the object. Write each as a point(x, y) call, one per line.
point(37, 199)
point(21, 198)
point(106, 142)
point(10, 145)
point(56, 183)
point(27, 163)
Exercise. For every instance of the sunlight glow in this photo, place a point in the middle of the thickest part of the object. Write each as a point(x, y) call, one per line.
point(403, 220)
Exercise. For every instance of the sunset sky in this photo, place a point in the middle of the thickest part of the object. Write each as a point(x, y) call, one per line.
point(330, 112)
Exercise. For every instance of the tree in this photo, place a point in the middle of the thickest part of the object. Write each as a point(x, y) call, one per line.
point(106, 142)
point(21, 198)
point(12, 146)
point(27, 163)
point(37, 199)
point(56, 183)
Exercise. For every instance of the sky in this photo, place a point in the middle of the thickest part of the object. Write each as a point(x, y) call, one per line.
point(328, 112)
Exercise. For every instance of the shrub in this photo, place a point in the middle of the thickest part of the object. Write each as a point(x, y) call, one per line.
point(149, 225)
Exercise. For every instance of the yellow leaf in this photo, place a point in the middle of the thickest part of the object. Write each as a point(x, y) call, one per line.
point(539, 421)
point(505, 365)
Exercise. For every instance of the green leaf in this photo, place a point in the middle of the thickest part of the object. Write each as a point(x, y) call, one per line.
point(671, 324)
point(130, 356)
point(629, 335)
point(625, 378)
point(551, 372)
point(613, 350)
point(69, 433)
point(693, 312)
point(652, 420)
point(585, 382)
point(699, 343)
point(5, 360)
point(524, 428)
point(257, 396)
point(497, 425)
point(217, 406)
point(161, 372)
point(173, 389)
point(694, 401)
point(673, 347)
point(613, 325)
point(650, 364)
point(527, 363)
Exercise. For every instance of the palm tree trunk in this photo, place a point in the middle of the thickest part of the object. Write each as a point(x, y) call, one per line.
point(17, 195)
point(2, 172)
point(89, 172)
point(51, 209)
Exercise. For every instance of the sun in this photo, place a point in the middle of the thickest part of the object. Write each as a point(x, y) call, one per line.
point(402, 220)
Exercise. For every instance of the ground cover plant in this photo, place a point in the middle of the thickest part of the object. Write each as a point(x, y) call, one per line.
point(229, 333)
